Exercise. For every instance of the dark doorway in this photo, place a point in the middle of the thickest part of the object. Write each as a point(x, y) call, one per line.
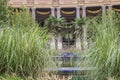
point(68, 36)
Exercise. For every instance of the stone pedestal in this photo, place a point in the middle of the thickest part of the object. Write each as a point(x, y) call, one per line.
point(59, 40)
point(52, 43)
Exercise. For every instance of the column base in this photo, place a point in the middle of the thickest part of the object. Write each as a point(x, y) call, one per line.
point(78, 44)
point(85, 45)
point(52, 43)
point(59, 45)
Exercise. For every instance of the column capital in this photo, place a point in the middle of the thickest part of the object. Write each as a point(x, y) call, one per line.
point(77, 7)
point(52, 7)
point(110, 5)
point(33, 8)
point(58, 7)
point(84, 7)
point(103, 6)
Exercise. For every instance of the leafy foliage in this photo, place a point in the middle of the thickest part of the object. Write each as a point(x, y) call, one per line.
point(80, 21)
point(53, 23)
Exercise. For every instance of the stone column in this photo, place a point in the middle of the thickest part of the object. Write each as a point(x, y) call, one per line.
point(103, 9)
point(52, 11)
point(103, 13)
point(84, 11)
point(33, 13)
point(59, 39)
point(84, 27)
point(110, 7)
point(58, 12)
point(78, 37)
point(77, 12)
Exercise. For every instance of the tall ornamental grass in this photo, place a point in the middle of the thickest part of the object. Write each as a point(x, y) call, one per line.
point(22, 18)
point(23, 53)
point(24, 47)
point(105, 50)
point(4, 13)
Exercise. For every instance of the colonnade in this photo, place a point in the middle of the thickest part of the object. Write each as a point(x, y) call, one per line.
point(79, 42)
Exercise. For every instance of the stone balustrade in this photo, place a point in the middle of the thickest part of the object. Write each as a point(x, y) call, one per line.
point(17, 2)
point(62, 3)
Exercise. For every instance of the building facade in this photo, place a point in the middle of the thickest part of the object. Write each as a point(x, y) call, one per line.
point(69, 9)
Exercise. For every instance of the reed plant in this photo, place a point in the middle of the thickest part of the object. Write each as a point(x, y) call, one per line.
point(105, 52)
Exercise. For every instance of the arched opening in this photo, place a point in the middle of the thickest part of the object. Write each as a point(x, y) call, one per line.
point(42, 14)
